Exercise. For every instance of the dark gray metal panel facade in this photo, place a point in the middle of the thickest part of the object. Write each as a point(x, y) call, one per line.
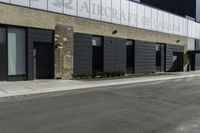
point(36, 35)
point(197, 61)
point(120, 49)
point(109, 54)
point(145, 57)
point(197, 44)
point(140, 57)
point(198, 10)
point(150, 57)
point(82, 53)
point(170, 49)
point(114, 54)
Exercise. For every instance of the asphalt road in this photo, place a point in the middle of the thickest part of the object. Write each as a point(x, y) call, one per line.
point(158, 107)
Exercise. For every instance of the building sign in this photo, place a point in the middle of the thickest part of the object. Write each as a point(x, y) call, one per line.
point(124, 12)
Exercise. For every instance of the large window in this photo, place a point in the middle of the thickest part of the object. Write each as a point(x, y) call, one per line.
point(16, 52)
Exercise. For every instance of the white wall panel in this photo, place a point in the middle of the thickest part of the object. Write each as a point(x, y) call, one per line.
point(141, 15)
point(171, 24)
point(70, 7)
point(180, 25)
point(116, 13)
point(160, 21)
point(125, 12)
point(198, 30)
point(107, 10)
point(154, 19)
point(190, 28)
point(6, 1)
point(193, 29)
point(198, 33)
point(20, 2)
point(176, 30)
point(185, 27)
point(166, 22)
point(133, 14)
point(39, 4)
point(55, 5)
point(148, 18)
point(190, 44)
point(84, 8)
point(95, 9)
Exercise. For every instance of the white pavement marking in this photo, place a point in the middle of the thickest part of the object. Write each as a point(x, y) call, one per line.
point(189, 127)
point(2, 92)
point(177, 80)
point(189, 79)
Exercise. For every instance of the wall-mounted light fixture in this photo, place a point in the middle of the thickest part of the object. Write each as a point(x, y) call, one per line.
point(114, 32)
point(177, 41)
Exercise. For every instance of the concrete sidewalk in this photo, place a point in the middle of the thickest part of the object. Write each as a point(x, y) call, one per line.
point(20, 88)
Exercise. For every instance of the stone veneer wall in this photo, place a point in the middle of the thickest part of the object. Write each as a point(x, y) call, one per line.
point(64, 40)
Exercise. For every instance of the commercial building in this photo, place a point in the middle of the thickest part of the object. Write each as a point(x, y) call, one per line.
point(42, 39)
point(188, 9)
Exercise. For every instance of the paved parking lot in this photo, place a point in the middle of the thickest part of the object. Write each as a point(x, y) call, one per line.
point(171, 106)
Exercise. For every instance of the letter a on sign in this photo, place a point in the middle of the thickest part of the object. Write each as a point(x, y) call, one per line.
point(83, 8)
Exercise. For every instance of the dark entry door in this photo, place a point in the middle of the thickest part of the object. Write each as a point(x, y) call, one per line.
point(97, 59)
point(129, 57)
point(43, 60)
point(97, 54)
point(178, 61)
point(192, 61)
point(158, 57)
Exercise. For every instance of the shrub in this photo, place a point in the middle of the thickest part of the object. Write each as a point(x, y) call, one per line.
point(100, 74)
point(82, 75)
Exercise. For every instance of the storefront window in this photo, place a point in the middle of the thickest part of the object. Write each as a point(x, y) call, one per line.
point(16, 52)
